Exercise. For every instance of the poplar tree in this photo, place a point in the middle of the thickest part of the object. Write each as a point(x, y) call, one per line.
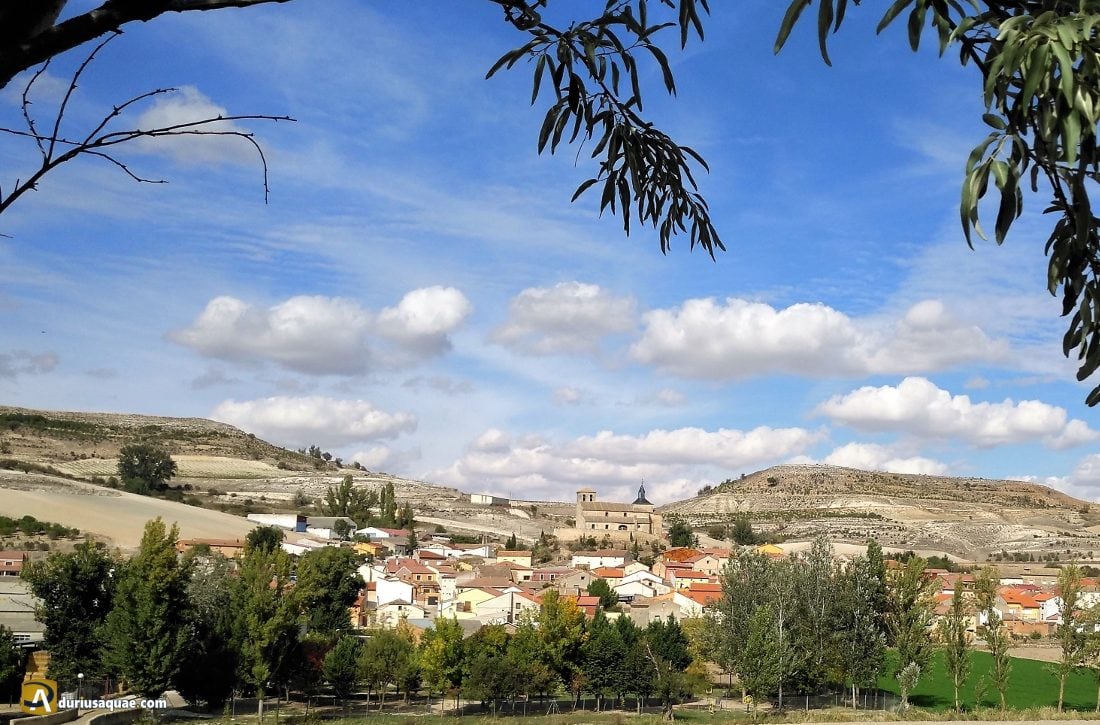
point(956, 643)
point(1069, 634)
point(996, 637)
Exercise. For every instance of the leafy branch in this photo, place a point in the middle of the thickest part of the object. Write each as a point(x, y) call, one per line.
point(56, 149)
point(1040, 67)
point(596, 96)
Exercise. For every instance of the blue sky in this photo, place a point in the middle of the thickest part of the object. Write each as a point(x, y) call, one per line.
point(419, 295)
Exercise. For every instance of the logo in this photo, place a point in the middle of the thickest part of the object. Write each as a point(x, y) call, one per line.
point(39, 697)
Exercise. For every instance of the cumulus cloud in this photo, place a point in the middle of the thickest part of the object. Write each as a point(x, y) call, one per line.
point(570, 317)
point(424, 317)
point(918, 407)
point(21, 362)
point(703, 338)
point(314, 419)
point(874, 457)
point(322, 335)
point(671, 462)
point(188, 105)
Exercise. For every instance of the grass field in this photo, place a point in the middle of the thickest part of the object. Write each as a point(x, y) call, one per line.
point(1031, 685)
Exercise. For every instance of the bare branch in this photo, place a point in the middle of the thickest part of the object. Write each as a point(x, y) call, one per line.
point(26, 45)
point(101, 138)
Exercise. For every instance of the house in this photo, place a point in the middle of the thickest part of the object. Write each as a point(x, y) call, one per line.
point(391, 614)
point(291, 522)
point(771, 551)
point(610, 574)
point(629, 591)
point(392, 589)
point(589, 605)
point(488, 499)
point(522, 558)
point(484, 551)
point(230, 548)
point(712, 561)
point(574, 584)
point(17, 612)
point(1012, 604)
point(11, 562)
point(507, 607)
point(549, 574)
point(685, 578)
point(598, 558)
point(465, 604)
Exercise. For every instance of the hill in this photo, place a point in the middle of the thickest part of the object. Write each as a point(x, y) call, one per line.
point(972, 517)
point(53, 466)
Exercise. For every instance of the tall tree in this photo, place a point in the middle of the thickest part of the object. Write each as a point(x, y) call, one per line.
point(327, 584)
point(208, 663)
point(956, 642)
point(144, 634)
point(1070, 636)
point(993, 631)
point(264, 538)
point(12, 662)
point(266, 625)
point(441, 656)
point(76, 590)
point(910, 615)
point(760, 672)
point(344, 499)
point(602, 653)
point(860, 649)
point(745, 583)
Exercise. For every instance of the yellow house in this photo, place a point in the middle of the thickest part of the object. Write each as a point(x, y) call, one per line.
point(468, 600)
point(369, 548)
point(522, 558)
point(770, 550)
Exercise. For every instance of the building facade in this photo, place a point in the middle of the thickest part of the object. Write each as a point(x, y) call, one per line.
point(623, 522)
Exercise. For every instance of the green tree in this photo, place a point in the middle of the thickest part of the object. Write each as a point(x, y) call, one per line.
point(760, 673)
point(327, 584)
point(910, 615)
point(956, 643)
point(341, 667)
point(860, 644)
point(144, 468)
point(12, 663)
point(441, 656)
point(600, 588)
point(908, 677)
point(680, 534)
point(1039, 76)
point(76, 591)
point(742, 532)
point(997, 638)
point(561, 634)
point(208, 663)
point(344, 499)
point(512, 544)
point(263, 538)
point(1070, 636)
point(745, 582)
point(266, 626)
point(602, 656)
point(144, 635)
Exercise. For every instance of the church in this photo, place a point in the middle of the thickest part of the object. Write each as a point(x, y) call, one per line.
point(634, 521)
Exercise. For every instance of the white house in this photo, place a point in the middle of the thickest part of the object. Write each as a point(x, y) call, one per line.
point(507, 607)
point(488, 499)
point(392, 589)
point(598, 558)
point(391, 613)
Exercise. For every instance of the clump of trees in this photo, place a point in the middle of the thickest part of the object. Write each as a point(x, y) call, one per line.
point(367, 507)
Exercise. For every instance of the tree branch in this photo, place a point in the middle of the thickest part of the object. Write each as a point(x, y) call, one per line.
point(36, 39)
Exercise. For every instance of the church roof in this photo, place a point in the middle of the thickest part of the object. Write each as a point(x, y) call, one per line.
point(641, 500)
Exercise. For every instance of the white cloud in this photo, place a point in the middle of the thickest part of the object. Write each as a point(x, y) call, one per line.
point(310, 334)
point(423, 319)
point(917, 406)
point(21, 362)
point(312, 420)
point(703, 338)
point(188, 105)
point(671, 462)
point(570, 317)
point(874, 457)
point(326, 335)
point(372, 459)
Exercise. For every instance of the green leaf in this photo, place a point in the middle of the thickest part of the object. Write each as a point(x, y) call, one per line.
point(794, 11)
point(824, 24)
point(892, 13)
point(994, 121)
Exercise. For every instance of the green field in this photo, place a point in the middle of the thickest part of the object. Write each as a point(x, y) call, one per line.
point(1031, 685)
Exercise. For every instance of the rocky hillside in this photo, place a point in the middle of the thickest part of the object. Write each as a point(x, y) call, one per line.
point(971, 516)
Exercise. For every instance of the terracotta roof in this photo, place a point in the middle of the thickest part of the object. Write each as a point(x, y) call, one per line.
point(608, 572)
point(702, 598)
point(679, 555)
point(705, 587)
